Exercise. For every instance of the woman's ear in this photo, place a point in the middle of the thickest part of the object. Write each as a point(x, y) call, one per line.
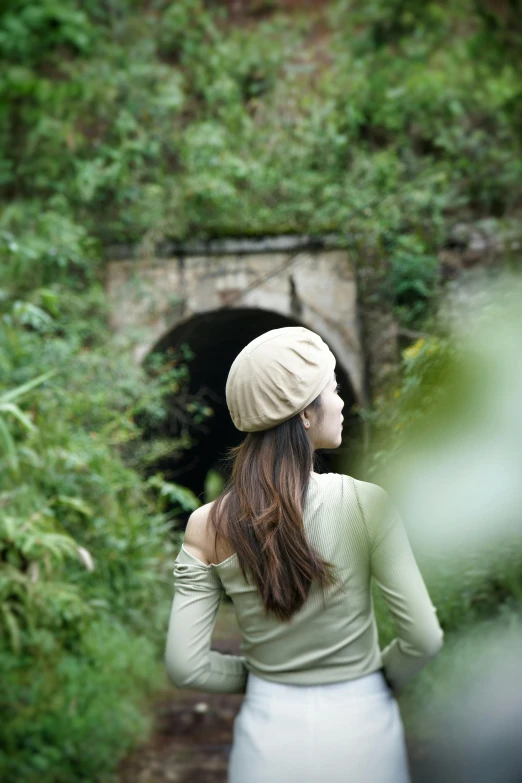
point(305, 419)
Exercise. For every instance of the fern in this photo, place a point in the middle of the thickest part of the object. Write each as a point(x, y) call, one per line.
point(8, 407)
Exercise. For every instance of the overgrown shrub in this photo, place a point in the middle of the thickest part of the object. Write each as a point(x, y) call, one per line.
point(220, 129)
point(86, 542)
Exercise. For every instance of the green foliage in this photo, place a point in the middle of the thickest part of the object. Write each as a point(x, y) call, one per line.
point(38, 248)
point(174, 493)
point(31, 31)
point(218, 129)
point(185, 30)
point(413, 280)
point(410, 409)
point(214, 484)
point(85, 540)
point(70, 717)
point(7, 399)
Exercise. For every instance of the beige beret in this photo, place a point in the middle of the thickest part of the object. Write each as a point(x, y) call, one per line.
point(276, 376)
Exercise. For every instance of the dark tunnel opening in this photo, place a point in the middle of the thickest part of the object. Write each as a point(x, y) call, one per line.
point(215, 338)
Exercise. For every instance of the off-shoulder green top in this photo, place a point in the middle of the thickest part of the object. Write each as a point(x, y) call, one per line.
point(353, 524)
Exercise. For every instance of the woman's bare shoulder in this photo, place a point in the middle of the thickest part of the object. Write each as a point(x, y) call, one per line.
point(200, 537)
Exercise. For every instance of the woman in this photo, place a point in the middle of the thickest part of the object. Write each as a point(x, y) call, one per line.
point(295, 550)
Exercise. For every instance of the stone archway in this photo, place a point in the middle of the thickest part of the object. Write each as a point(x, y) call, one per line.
point(316, 288)
point(221, 297)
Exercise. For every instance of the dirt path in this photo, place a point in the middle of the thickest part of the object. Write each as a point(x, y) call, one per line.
point(192, 733)
point(191, 741)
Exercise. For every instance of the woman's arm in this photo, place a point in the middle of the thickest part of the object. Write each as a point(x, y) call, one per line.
point(189, 660)
point(394, 568)
point(197, 593)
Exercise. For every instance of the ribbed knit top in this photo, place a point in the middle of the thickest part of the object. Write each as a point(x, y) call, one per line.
point(352, 524)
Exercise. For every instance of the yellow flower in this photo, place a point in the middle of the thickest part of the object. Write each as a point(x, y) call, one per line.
point(413, 350)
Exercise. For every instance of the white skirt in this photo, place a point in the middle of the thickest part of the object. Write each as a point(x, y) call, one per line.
point(343, 732)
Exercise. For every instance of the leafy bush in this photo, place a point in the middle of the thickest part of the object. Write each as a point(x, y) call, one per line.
point(70, 714)
point(38, 248)
point(31, 31)
point(223, 129)
point(413, 280)
point(409, 409)
point(85, 541)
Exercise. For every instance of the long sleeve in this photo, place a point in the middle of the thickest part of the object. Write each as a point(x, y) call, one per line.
point(395, 570)
point(189, 660)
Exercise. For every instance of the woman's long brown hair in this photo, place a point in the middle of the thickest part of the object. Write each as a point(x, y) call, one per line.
point(260, 515)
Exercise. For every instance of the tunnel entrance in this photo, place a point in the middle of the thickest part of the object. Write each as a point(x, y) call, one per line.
point(215, 338)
